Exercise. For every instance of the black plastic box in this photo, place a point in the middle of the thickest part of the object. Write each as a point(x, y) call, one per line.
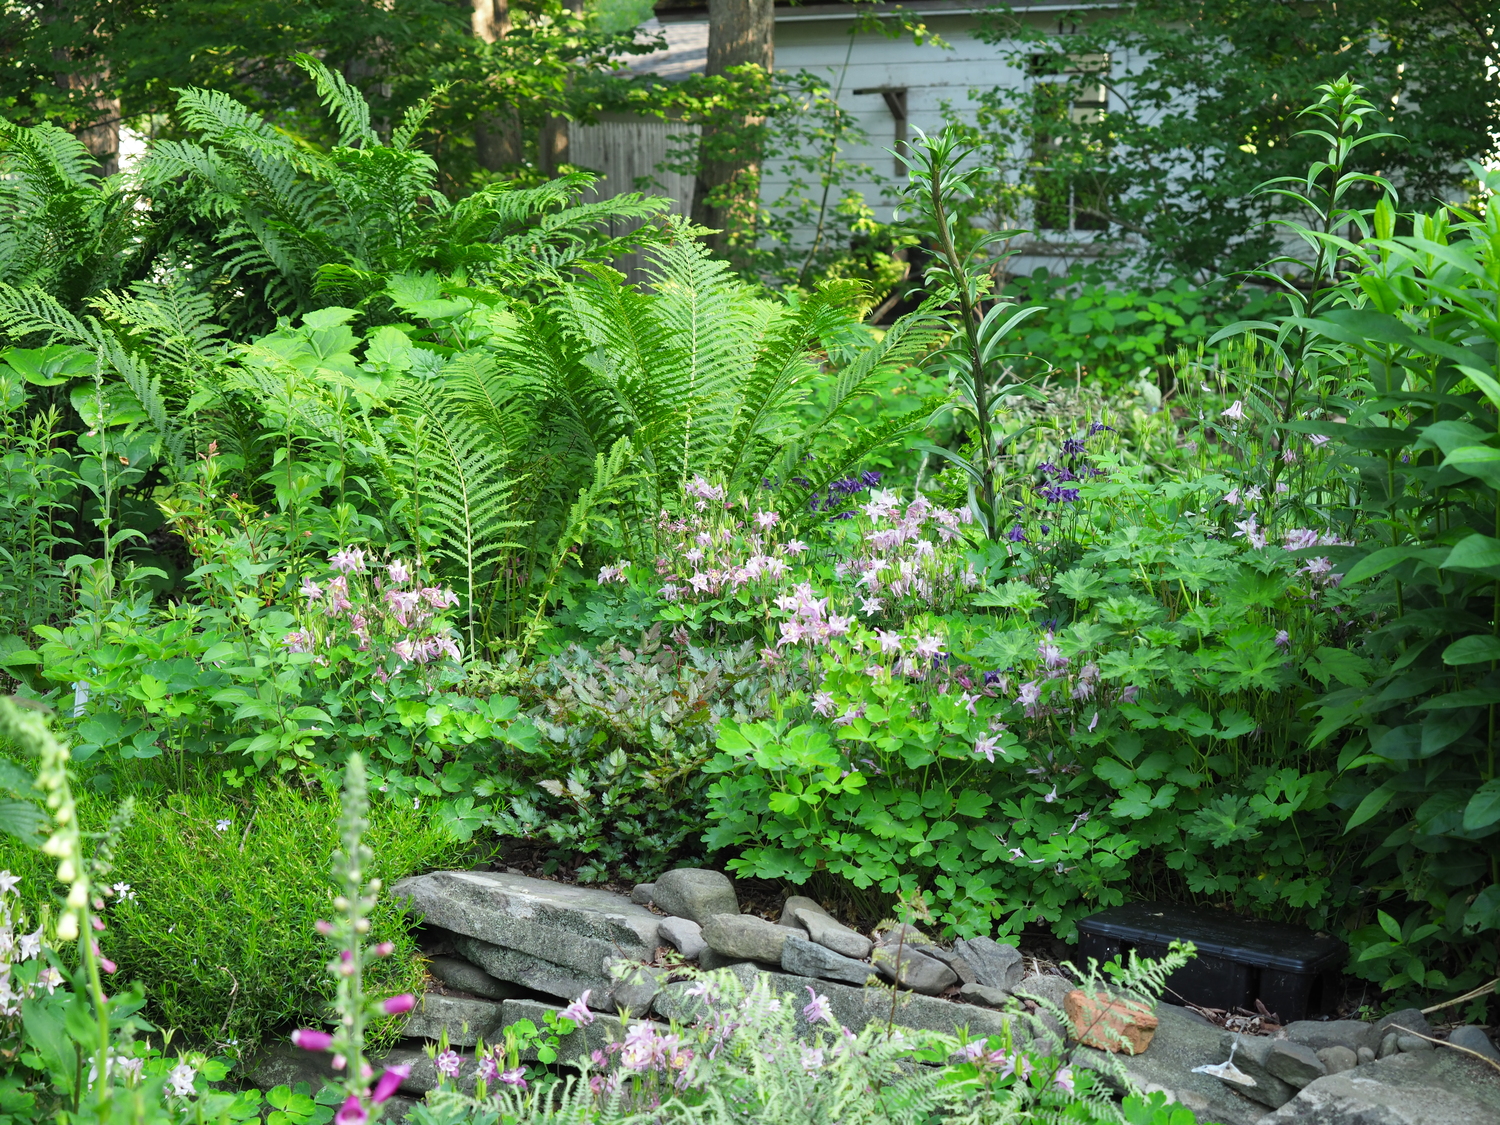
point(1291, 970)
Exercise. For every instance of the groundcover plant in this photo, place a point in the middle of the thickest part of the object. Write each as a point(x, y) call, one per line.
point(546, 565)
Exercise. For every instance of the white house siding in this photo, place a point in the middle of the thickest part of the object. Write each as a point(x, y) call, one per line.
point(816, 38)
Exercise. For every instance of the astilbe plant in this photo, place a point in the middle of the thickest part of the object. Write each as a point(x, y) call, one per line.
point(348, 934)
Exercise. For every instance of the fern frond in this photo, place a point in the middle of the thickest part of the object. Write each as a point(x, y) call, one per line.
point(782, 368)
point(464, 495)
point(26, 312)
point(347, 104)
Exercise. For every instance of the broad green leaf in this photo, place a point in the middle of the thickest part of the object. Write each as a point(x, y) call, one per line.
point(49, 366)
point(1477, 552)
point(1480, 461)
point(1483, 808)
point(1378, 562)
point(1473, 650)
point(1371, 805)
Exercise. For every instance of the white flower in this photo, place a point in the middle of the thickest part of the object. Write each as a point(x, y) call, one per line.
point(31, 944)
point(181, 1079)
point(222, 824)
point(1235, 412)
point(123, 892)
point(9, 883)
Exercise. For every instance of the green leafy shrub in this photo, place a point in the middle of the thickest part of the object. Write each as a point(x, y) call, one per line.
point(216, 893)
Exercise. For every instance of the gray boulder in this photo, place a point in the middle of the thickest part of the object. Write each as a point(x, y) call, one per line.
point(809, 959)
point(1428, 1088)
point(684, 935)
point(641, 893)
point(635, 985)
point(1296, 1064)
point(1474, 1039)
point(983, 994)
point(1044, 986)
point(465, 977)
point(995, 965)
point(1318, 1034)
point(1365, 1055)
point(1389, 1045)
point(794, 903)
point(1404, 1022)
point(711, 959)
point(833, 935)
point(745, 937)
point(1410, 1043)
point(1336, 1060)
point(572, 927)
point(914, 970)
point(695, 893)
point(465, 1021)
point(961, 968)
point(1252, 1054)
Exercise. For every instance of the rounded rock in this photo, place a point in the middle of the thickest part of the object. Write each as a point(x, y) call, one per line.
point(695, 893)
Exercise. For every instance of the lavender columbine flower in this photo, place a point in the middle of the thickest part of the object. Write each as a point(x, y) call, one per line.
point(488, 1070)
point(351, 560)
point(816, 1008)
point(447, 1063)
point(578, 1010)
point(516, 1077)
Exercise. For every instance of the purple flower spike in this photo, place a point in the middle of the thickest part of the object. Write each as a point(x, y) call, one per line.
point(398, 1004)
point(390, 1082)
point(310, 1040)
point(351, 1113)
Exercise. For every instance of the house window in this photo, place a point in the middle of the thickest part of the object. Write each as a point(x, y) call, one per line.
point(1069, 174)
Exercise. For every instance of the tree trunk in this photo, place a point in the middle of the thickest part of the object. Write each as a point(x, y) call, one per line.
point(552, 145)
point(739, 32)
point(99, 129)
point(497, 135)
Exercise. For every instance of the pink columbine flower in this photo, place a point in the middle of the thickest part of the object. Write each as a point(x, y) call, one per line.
point(1283, 639)
point(487, 1070)
point(311, 590)
point(310, 1040)
point(1235, 412)
point(447, 1063)
point(1318, 440)
point(398, 572)
point(767, 520)
point(795, 547)
point(398, 1004)
point(516, 1077)
point(889, 641)
point(351, 560)
point(929, 647)
point(351, 1112)
point(1064, 1080)
point(390, 1082)
point(816, 1008)
point(578, 1010)
point(985, 747)
point(822, 704)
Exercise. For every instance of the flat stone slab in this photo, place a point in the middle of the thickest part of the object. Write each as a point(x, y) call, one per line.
point(810, 959)
point(465, 1021)
point(457, 973)
point(695, 893)
point(853, 1007)
point(572, 927)
point(537, 973)
point(994, 965)
point(1429, 1088)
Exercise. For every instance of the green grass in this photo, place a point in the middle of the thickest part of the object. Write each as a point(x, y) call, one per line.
point(220, 931)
